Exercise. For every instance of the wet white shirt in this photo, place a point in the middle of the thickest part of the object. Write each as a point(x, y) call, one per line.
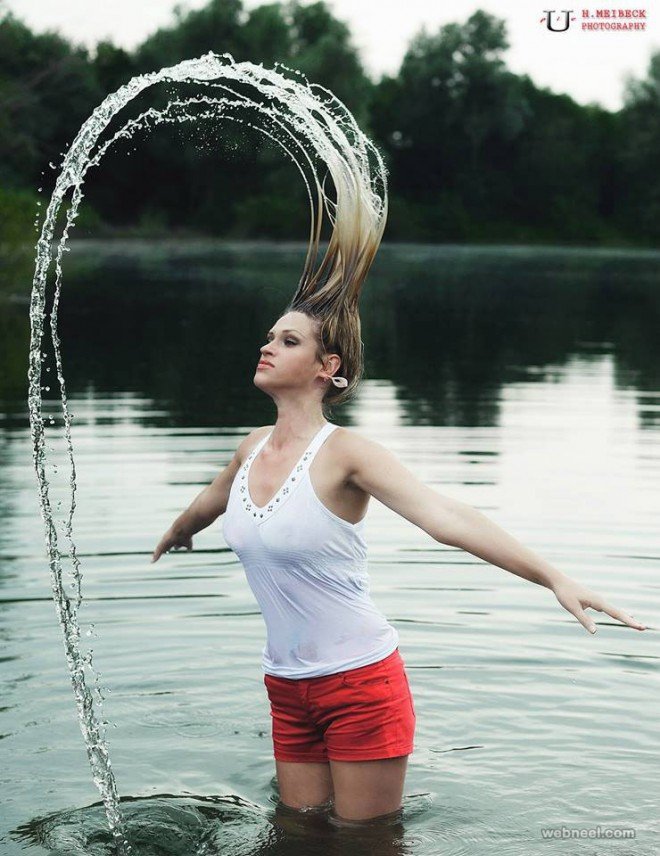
point(307, 568)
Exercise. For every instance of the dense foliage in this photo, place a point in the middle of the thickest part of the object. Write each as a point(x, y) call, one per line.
point(475, 152)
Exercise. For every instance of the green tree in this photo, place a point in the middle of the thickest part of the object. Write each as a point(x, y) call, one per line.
point(562, 164)
point(47, 89)
point(113, 66)
point(323, 50)
point(267, 35)
point(474, 152)
point(448, 120)
point(215, 27)
point(639, 203)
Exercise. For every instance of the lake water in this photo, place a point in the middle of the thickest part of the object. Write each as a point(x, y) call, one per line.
point(523, 381)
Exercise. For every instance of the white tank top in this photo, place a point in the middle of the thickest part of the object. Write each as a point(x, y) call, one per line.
point(307, 568)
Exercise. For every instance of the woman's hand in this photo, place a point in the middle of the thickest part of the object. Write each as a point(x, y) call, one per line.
point(576, 598)
point(172, 541)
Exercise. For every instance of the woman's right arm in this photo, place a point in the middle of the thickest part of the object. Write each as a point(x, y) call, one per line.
point(207, 505)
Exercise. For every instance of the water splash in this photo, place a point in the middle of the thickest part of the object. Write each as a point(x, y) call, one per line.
point(313, 128)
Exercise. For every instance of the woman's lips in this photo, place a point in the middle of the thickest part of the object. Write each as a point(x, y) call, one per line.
point(262, 365)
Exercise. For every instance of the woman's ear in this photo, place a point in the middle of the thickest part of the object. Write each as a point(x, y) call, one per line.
point(332, 364)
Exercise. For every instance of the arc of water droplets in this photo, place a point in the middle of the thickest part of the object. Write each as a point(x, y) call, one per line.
point(304, 114)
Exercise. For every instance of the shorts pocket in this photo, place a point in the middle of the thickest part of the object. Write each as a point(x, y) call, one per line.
point(410, 695)
point(349, 680)
point(367, 688)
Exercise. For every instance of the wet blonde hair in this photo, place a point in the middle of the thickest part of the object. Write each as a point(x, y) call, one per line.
point(329, 294)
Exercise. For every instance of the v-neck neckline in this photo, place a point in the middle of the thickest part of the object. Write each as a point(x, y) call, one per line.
point(295, 474)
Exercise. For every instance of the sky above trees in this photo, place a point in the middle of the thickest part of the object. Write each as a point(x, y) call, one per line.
point(588, 66)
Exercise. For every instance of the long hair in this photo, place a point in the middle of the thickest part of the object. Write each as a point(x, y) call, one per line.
point(330, 293)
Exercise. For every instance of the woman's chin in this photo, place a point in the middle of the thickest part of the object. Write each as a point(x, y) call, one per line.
point(258, 379)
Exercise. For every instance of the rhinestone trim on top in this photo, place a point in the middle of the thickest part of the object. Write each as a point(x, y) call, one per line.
point(288, 485)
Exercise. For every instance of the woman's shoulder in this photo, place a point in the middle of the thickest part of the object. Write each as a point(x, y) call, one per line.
point(350, 436)
point(251, 440)
point(354, 454)
point(351, 444)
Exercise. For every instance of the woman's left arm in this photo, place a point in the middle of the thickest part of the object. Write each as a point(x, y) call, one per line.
point(374, 469)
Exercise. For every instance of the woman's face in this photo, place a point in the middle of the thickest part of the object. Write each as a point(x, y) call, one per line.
point(290, 350)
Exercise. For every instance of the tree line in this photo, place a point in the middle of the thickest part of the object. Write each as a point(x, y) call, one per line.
point(475, 153)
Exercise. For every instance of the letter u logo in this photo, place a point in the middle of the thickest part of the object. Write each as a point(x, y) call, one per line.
point(548, 22)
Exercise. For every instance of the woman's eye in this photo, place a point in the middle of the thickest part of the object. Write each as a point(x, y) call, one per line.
point(286, 341)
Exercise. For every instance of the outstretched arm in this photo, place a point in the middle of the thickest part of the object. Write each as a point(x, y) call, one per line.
point(202, 511)
point(207, 505)
point(374, 469)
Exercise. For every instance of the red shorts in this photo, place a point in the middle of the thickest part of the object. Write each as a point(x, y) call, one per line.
point(357, 715)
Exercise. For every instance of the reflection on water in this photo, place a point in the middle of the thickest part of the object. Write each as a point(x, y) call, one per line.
point(524, 382)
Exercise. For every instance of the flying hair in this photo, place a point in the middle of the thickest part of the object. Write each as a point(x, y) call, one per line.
point(329, 293)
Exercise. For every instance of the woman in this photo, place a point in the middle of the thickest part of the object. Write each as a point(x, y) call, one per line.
point(341, 731)
point(295, 496)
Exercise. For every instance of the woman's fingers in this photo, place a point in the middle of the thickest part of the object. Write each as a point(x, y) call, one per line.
point(622, 616)
point(159, 552)
point(161, 548)
point(575, 598)
point(567, 597)
point(170, 543)
point(583, 618)
point(596, 602)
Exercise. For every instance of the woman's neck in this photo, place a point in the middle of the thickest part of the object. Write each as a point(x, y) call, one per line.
point(296, 423)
